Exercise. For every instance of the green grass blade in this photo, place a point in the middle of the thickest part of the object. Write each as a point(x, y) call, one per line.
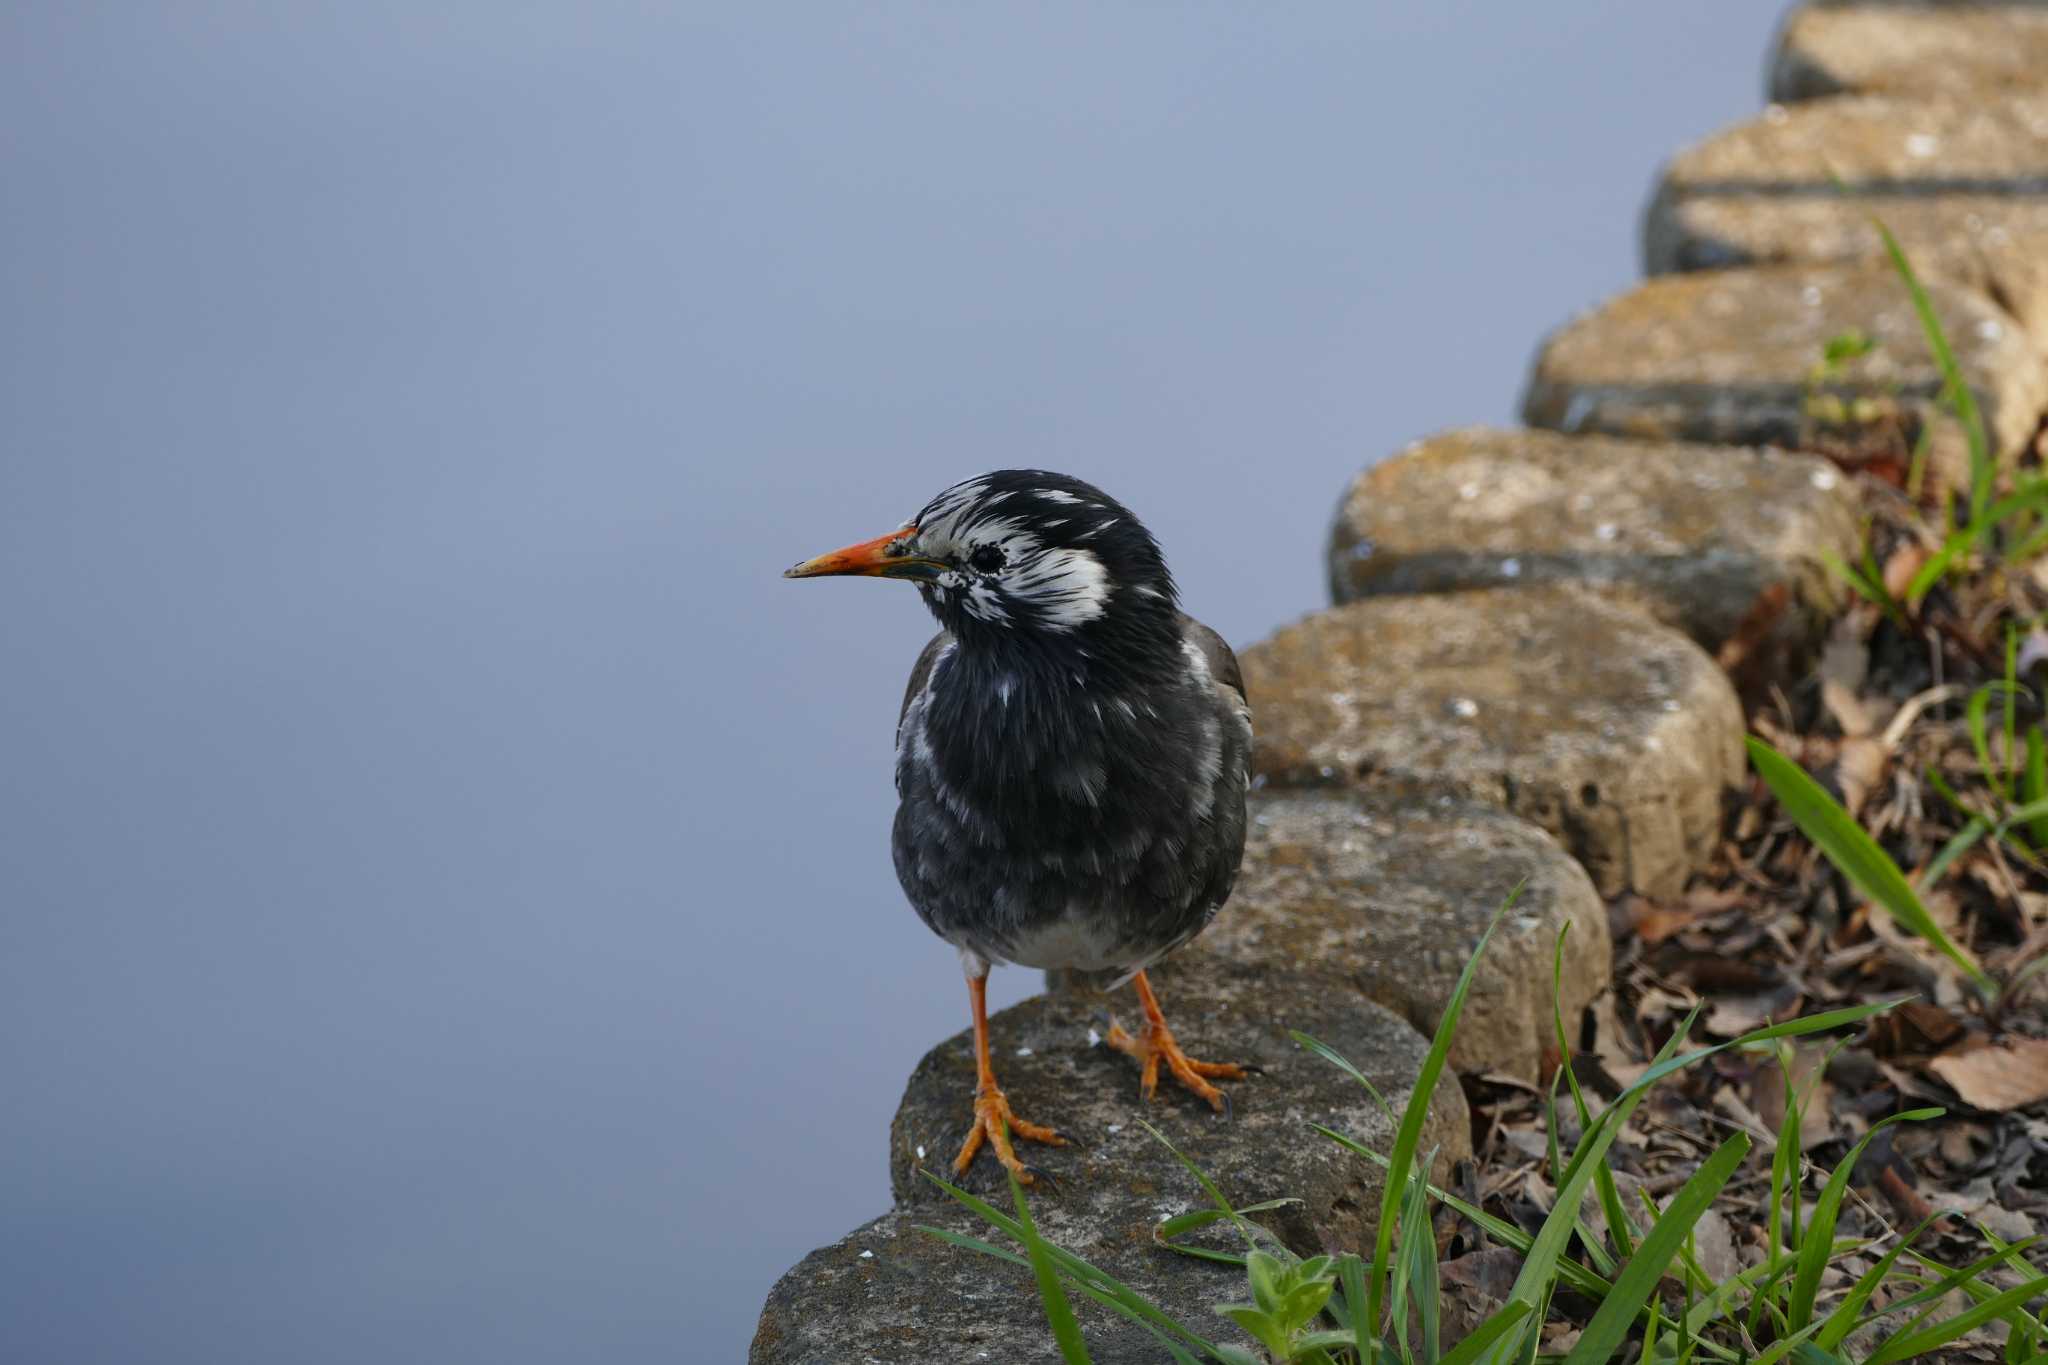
point(1843, 1319)
point(1585, 1281)
point(1817, 1247)
point(1417, 1281)
point(1247, 1229)
point(1799, 1348)
point(1409, 1135)
point(1638, 1279)
point(1854, 852)
point(1201, 1218)
point(1791, 1028)
point(1960, 843)
point(1343, 1063)
point(1351, 1286)
point(1714, 1305)
point(1937, 564)
point(1785, 1158)
point(1134, 1304)
point(2024, 1325)
point(1928, 1297)
point(2031, 811)
point(1059, 1314)
point(2026, 1333)
point(2012, 691)
point(1618, 1226)
point(1486, 1334)
point(2035, 788)
point(1904, 1347)
point(1539, 1273)
point(1871, 589)
point(2027, 1330)
point(1980, 740)
point(975, 1244)
point(1983, 471)
point(2032, 499)
point(1784, 1192)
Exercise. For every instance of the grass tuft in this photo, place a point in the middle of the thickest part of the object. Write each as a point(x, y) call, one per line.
point(1387, 1309)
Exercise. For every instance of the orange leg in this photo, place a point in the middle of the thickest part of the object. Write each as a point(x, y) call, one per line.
point(993, 1120)
point(1156, 1044)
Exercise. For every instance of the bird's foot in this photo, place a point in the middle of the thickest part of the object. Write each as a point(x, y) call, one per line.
point(995, 1124)
point(1156, 1045)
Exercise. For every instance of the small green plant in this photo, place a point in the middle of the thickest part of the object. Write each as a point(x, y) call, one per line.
point(2012, 529)
point(1856, 855)
point(1868, 580)
point(1348, 1310)
point(1955, 390)
point(1824, 405)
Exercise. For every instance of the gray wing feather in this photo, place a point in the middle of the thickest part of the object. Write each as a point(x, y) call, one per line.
point(1222, 663)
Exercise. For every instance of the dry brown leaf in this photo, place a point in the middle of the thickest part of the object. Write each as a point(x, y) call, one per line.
point(1961, 1142)
point(1479, 1283)
point(1997, 1076)
point(1900, 567)
point(1845, 659)
point(1654, 923)
point(1849, 710)
point(1859, 766)
point(1915, 1027)
point(1657, 1003)
point(1816, 1095)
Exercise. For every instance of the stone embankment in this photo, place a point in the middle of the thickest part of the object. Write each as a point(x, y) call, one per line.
point(1516, 683)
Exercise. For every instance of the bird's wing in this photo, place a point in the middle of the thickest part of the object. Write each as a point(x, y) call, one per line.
point(921, 671)
point(1222, 663)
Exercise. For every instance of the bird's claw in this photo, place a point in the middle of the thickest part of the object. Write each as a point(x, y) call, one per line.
point(995, 1124)
point(1156, 1047)
point(1037, 1173)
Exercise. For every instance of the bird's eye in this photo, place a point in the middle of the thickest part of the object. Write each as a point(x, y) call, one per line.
point(986, 559)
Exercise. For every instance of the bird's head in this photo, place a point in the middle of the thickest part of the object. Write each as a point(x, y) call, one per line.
point(1025, 557)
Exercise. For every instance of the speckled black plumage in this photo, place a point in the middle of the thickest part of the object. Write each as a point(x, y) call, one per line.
point(1072, 792)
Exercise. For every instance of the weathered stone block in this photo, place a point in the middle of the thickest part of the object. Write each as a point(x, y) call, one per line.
point(1962, 182)
point(1693, 536)
point(1969, 50)
point(1614, 733)
point(1115, 1182)
point(888, 1291)
point(891, 1292)
point(1726, 356)
point(1394, 895)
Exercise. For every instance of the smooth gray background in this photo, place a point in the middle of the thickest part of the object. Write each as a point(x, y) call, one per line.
point(447, 907)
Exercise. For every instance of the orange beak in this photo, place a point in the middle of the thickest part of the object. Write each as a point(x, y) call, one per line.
point(881, 557)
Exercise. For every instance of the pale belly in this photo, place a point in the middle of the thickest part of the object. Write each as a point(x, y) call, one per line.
point(1080, 940)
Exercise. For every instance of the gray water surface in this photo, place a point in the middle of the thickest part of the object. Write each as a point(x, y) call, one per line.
point(447, 905)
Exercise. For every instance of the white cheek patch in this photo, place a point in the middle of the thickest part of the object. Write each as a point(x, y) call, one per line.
point(1067, 587)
